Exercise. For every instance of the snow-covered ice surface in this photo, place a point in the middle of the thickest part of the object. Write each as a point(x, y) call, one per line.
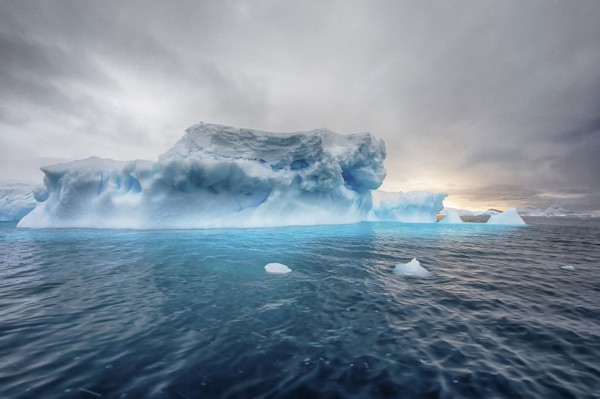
point(16, 201)
point(451, 217)
point(410, 207)
point(277, 268)
point(509, 216)
point(412, 269)
point(220, 176)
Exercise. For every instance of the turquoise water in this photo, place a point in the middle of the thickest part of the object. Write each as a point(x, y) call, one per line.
point(192, 314)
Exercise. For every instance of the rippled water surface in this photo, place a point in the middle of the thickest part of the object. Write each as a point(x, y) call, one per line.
point(191, 314)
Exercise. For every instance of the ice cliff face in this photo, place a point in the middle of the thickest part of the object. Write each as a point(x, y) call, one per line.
point(219, 176)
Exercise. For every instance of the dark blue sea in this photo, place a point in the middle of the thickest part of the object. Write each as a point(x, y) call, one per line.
point(192, 314)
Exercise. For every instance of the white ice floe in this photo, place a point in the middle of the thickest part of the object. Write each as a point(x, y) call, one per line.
point(568, 267)
point(509, 216)
point(277, 268)
point(411, 269)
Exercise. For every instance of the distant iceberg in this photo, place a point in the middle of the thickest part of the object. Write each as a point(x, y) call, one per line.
point(554, 210)
point(451, 217)
point(509, 216)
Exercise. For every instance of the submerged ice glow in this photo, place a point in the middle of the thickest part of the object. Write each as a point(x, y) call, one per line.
point(220, 176)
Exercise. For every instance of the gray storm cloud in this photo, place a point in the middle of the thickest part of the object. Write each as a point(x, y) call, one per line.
point(496, 103)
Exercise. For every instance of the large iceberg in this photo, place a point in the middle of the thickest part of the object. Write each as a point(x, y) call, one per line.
point(16, 201)
point(219, 176)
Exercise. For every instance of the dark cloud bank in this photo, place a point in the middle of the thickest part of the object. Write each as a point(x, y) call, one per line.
point(497, 103)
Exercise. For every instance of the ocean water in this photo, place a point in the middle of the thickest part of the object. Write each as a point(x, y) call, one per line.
point(192, 314)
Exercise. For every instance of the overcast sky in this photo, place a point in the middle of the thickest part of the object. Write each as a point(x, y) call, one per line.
point(495, 102)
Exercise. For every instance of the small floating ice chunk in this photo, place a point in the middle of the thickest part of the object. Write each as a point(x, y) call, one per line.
point(277, 268)
point(568, 267)
point(412, 269)
point(509, 216)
